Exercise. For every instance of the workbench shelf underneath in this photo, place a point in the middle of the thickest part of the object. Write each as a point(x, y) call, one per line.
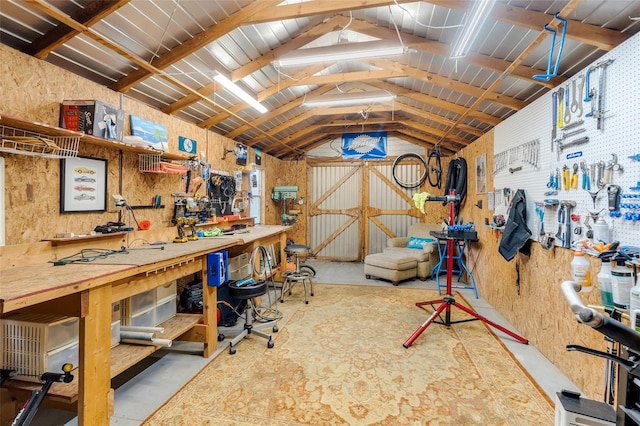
point(123, 357)
point(77, 238)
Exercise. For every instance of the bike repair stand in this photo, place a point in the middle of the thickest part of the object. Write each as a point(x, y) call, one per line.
point(448, 300)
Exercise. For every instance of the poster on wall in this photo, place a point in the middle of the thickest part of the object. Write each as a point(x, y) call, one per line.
point(258, 157)
point(481, 174)
point(187, 145)
point(154, 133)
point(83, 185)
point(241, 155)
point(364, 145)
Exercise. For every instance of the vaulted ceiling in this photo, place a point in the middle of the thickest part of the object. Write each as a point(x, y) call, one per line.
point(166, 52)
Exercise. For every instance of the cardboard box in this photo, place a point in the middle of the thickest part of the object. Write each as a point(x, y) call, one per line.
point(93, 118)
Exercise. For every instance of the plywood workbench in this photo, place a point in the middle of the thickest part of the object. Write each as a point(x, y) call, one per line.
point(87, 290)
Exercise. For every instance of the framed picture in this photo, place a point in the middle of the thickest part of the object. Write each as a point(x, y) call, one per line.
point(481, 174)
point(83, 185)
point(241, 154)
point(154, 133)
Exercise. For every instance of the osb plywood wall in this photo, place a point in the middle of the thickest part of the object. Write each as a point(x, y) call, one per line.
point(32, 90)
point(539, 311)
point(294, 174)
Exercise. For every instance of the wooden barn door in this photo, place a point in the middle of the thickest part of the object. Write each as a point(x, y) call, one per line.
point(354, 208)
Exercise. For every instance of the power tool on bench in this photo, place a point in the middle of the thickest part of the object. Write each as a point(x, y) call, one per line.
point(181, 238)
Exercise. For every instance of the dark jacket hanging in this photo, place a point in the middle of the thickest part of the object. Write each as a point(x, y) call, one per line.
point(516, 235)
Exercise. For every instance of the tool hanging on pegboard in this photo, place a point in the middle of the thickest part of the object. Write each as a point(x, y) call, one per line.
point(597, 105)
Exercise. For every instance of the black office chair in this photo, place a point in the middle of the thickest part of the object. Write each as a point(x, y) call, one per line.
point(248, 292)
point(302, 274)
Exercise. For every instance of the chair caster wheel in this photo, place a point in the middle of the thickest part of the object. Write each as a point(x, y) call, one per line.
point(220, 337)
point(306, 302)
point(270, 344)
point(232, 350)
point(275, 329)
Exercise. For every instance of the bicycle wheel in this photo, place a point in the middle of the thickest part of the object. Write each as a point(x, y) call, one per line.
point(409, 170)
point(434, 169)
point(308, 269)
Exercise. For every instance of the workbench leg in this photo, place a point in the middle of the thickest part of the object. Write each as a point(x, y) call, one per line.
point(210, 314)
point(94, 373)
point(283, 255)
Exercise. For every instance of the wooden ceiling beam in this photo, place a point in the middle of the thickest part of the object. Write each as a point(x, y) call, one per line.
point(438, 103)
point(253, 66)
point(211, 121)
point(277, 112)
point(569, 7)
point(66, 19)
point(456, 86)
point(90, 14)
point(592, 35)
point(196, 42)
point(255, 13)
point(443, 50)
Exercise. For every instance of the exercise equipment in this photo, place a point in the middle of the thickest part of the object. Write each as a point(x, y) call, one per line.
point(448, 301)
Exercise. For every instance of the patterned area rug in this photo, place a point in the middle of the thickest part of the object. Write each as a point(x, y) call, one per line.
point(340, 361)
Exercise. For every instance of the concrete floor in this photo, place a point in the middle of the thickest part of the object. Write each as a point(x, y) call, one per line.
point(144, 388)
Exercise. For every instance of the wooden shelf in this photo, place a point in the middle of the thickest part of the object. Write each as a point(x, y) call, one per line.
point(84, 237)
point(45, 129)
point(249, 221)
point(123, 357)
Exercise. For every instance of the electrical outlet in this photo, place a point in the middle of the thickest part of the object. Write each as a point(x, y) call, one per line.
point(117, 203)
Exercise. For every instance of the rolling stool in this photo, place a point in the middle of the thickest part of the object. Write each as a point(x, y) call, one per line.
point(248, 292)
point(298, 276)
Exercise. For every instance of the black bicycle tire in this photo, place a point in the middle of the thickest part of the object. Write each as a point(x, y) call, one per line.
point(407, 185)
point(438, 180)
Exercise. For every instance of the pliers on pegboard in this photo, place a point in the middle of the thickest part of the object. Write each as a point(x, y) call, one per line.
point(565, 177)
point(574, 177)
point(586, 181)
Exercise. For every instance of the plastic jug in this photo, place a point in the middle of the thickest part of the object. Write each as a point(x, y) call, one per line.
point(601, 231)
point(581, 271)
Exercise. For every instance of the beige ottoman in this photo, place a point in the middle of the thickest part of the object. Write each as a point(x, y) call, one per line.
point(390, 267)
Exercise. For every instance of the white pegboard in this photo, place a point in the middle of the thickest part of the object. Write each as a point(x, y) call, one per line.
point(620, 135)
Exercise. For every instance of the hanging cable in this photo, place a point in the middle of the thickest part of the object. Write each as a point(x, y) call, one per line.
point(87, 255)
point(259, 256)
point(425, 25)
point(164, 31)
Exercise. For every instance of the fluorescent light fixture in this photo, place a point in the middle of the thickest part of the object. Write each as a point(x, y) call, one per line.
point(339, 52)
point(474, 19)
point(346, 99)
point(229, 85)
